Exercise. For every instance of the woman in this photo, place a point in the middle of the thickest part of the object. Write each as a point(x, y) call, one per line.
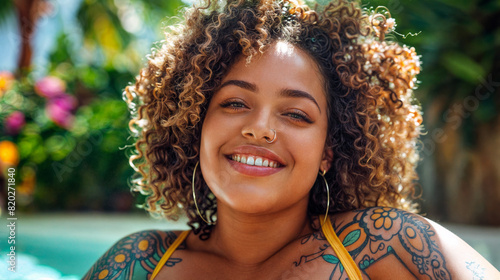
point(288, 137)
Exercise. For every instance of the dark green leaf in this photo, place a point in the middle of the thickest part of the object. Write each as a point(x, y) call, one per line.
point(463, 66)
point(6, 10)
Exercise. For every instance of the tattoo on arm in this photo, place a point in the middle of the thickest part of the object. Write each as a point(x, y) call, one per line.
point(372, 237)
point(136, 254)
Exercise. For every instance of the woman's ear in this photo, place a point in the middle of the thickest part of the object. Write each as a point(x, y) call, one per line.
point(326, 161)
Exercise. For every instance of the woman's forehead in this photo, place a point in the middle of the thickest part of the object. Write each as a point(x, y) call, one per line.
point(284, 49)
point(280, 57)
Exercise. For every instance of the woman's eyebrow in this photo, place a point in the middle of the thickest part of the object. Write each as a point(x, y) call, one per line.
point(294, 93)
point(241, 84)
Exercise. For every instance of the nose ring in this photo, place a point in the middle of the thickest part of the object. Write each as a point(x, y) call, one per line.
point(274, 138)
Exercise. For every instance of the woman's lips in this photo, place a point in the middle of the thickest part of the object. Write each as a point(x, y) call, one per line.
point(256, 154)
point(255, 160)
point(253, 170)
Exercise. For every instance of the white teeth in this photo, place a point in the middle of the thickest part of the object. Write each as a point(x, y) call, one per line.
point(257, 161)
point(250, 161)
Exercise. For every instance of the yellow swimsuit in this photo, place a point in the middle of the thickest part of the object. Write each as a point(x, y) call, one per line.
point(350, 267)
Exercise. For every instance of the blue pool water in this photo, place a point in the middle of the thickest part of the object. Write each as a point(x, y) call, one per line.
point(64, 246)
point(29, 268)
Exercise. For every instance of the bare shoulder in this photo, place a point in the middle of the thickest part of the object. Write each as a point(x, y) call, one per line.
point(382, 239)
point(135, 256)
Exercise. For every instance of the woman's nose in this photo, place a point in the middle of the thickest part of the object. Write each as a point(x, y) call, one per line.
point(259, 128)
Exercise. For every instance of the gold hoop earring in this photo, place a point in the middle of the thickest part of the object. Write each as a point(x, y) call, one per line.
point(327, 196)
point(194, 196)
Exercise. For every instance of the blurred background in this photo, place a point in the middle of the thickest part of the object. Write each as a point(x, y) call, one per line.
point(63, 124)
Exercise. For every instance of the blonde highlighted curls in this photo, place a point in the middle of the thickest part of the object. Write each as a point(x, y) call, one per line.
point(373, 123)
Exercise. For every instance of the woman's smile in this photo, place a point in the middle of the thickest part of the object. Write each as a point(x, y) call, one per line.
point(251, 168)
point(255, 161)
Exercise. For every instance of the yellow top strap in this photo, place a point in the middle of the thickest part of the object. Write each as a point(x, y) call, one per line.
point(350, 267)
point(169, 252)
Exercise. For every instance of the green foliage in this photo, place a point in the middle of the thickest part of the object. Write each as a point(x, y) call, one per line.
point(460, 46)
point(70, 162)
point(74, 159)
point(462, 66)
point(6, 9)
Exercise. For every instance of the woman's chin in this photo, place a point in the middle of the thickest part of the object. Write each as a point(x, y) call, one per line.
point(257, 204)
point(248, 203)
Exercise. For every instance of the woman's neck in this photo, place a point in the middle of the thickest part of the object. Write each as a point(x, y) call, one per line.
point(251, 239)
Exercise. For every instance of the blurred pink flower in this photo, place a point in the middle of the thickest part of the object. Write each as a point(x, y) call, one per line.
point(65, 101)
point(14, 123)
point(59, 110)
point(50, 87)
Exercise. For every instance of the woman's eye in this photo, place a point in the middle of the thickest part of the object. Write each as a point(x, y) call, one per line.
point(299, 116)
point(233, 104)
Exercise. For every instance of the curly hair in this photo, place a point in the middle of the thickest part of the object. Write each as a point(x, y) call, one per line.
point(373, 120)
